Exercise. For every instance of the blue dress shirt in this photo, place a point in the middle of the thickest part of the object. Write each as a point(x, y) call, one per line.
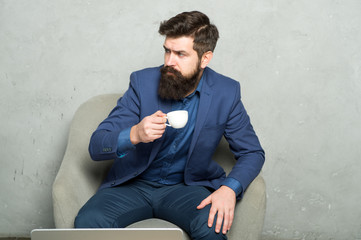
point(168, 166)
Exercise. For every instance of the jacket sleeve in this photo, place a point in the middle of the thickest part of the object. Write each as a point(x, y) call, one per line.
point(104, 141)
point(244, 144)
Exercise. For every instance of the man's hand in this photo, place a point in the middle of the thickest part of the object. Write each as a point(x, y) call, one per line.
point(223, 202)
point(149, 129)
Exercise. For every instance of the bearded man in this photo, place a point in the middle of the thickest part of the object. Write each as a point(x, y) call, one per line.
point(167, 173)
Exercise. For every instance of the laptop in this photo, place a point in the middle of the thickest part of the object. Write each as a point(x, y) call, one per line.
point(108, 233)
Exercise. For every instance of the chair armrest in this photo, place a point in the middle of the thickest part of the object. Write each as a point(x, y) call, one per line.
point(77, 180)
point(250, 212)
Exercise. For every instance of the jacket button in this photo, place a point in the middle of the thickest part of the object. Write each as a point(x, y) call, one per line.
point(113, 183)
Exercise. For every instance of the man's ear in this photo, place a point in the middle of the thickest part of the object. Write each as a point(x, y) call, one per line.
point(206, 58)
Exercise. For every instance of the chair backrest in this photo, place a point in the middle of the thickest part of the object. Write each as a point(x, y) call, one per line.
point(85, 121)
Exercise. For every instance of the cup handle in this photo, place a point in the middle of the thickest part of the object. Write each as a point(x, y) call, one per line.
point(167, 124)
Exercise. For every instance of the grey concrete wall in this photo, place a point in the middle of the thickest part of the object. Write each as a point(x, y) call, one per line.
point(298, 62)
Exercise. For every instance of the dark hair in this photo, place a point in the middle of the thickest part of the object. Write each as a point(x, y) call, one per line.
point(192, 24)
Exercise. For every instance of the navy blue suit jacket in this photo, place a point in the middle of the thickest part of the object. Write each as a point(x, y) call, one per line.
point(220, 112)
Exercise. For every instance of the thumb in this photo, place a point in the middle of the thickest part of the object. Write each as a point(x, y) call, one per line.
point(159, 113)
point(205, 202)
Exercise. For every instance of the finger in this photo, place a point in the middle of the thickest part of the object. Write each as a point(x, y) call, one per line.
point(149, 130)
point(158, 117)
point(204, 203)
point(159, 113)
point(219, 221)
point(211, 216)
point(157, 131)
point(160, 120)
point(225, 223)
point(155, 134)
point(158, 126)
point(228, 221)
point(152, 123)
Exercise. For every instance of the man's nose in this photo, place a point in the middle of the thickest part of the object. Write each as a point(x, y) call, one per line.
point(170, 60)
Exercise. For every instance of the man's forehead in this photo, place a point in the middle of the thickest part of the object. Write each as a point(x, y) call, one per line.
point(179, 44)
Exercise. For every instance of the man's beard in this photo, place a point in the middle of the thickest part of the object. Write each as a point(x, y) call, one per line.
point(174, 86)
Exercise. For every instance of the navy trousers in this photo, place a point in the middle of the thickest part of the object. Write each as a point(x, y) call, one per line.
point(137, 200)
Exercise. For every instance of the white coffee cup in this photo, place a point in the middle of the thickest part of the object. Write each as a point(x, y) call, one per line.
point(177, 119)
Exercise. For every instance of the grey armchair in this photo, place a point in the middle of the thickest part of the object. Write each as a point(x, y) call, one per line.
point(79, 177)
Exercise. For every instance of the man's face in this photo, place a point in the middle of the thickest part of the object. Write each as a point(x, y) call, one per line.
point(180, 55)
point(181, 70)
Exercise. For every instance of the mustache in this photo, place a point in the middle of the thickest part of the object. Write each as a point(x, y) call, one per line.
point(168, 69)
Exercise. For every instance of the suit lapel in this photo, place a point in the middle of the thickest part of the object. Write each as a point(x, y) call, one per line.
point(205, 100)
